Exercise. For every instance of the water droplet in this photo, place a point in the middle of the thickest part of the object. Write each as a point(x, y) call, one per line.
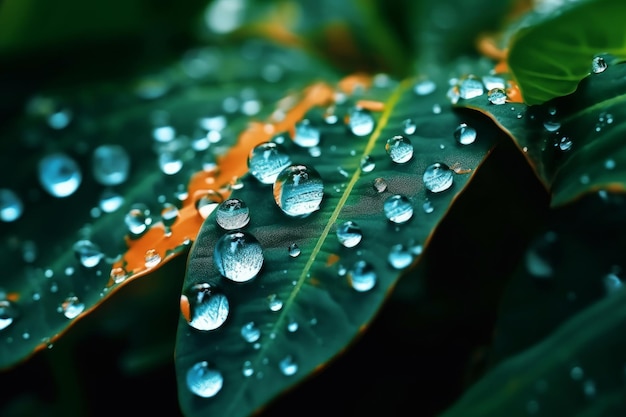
point(349, 234)
point(250, 332)
point(380, 185)
point(428, 207)
point(471, 87)
point(118, 274)
point(539, 255)
point(492, 82)
point(612, 281)
point(8, 314)
point(232, 214)
point(589, 388)
point(399, 256)
point(609, 164)
point(438, 177)
point(294, 250)
point(138, 219)
point(203, 380)
point(238, 256)
point(110, 200)
point(292, 326)
point(169, 214)
point(598, 65)
point(576, 373)
point(60, 118)
point(436, 108)
point(87, 253)
point(298, 190)
point(497, 96)
point(171, 161)
point(367, 164)
point(267, 160)
point(207, 306)
point(360, 121)
point(59, 174)
point(110, 164)
point(398, 208)
point(306, 135)
point(424, 87)
point(152, 258)
point(71, 307)
point(288, 366)
point(362, 276)
point(465, 134)
point(11, 206)
point(409, 126)
point(247, 370)
point(399, 149)
point(274, 303)
point(565, 144)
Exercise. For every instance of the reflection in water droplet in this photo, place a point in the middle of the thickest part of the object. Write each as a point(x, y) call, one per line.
point(110, 164)
point(380, 185)
point(208, 307)
point(11, 206)
point(399, 148)
point(152, 258)
point(306, 135)
point(232, 214)
point(598, 65)
point(250, 332)
point(294, 250)
point(274, 303)
point(208, 203)
point(367, 164)
point(349, 234)
point(464, 134)
point(288, 366)
point(138, 219)
point(87, 253)
point(298, 190)
point(362, 276)
point(398, 208)
point(497, 96)
point(238, 256)
point(8, 314)
point(360, 121)
point(59, 174)
point(438, 177)
point(399, 256)
point(203, 380)
point(171, 162)
point(266, 161)
point(71, 307)
point(492, 82)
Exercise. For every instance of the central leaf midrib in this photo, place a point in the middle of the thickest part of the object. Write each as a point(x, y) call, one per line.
point(389, 107)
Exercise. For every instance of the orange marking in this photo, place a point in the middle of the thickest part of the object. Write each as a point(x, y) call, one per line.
point(371, 105)
point(332, 259)
point(513, 93)
point(12, 296)
point(185, 308)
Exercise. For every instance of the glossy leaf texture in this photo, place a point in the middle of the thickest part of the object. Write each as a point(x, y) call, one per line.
point(574, 142)
point(551, 49)
point(242, 343)
point(99, 188)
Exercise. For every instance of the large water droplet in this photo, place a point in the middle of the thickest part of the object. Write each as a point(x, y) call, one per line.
point(8, 314)
point(400, 256)
point(110, 164)
point(298, 190)
point(349, 234)
point(11, 206)
point(208, 203)
point(438, 177)
point(267, 160)
point(362, 276)
point(598, 65)
point(360, 121)
point(288, 366)
point(204, 380)
point(464, 134)
point(399, 148)
point(398, 208)
point(306, 134)
point(71, 307)
point(59, 174)
point(232, 214)
point(138, 219)
point(238, 256)
point(208, 307)
point(471, 87)
point(250, 332)
point(152, 258)
point(87, 253)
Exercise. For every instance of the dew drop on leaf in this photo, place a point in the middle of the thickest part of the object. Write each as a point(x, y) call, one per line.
point(87, 253)
point(490, 82)
point(11, 206)
point(497, 96)
point(152, 258)
point(250, 332)
point(367, 164)
point(208, 203)
point(539, 256)
point(298, 190)
point(204, 380)
point(362, 276)
point(349, 234)
point(409, 126)
point(169, 214)
point(399, 148)
point(294, 250)
point(398, 208)
point(171, 162)
point(71, 307)
point(247, 370)
point(598, 65)
point(288, 366)
point(399, 256)
point(59, 174)
point(612, 281)
point(118, 274)
point(306, 134)
point(232, 214)
point(206, 306)
point(470, 87)
point(110, 164)
point(267, 160)
point(238, 256)
point(360, 121)
point(274, 302)
point(110, 200)
point(438, 177)
point(565, 144)
point(465, 134)
point(424, 87)
point(292, 326)
point(380, 185)
point(138, 219)
point(8, 314)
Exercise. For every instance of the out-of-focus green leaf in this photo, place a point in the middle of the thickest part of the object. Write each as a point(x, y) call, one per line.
point(304, 308)
point(552, 49)
point(574, 143)
point(187, 114)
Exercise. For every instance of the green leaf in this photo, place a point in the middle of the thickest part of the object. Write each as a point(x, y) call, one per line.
point(574, 142)
point(313, 290)
point(552, 50)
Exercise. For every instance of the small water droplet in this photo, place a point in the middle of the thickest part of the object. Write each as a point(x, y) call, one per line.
point(138, 219)
point(398, 208)
point(207, 306)
point(367, 163)
point(208, 203)
point(232, 214)
point(565, 144)
point(110, 164)
point(238, 256)
point(204, 380)
point(428, 207)
point(380, 185)
point(298, 190)
point(152, 258)
point(609, 164)
point(399, 148)
point(274, 303)
point(294, 250)
point(612, 281)
point(576, 373)
point(470, 87)
point(247, 369)
point(288, 366)
point(492, 82)
point(110, 200)
point(250, 332)
point(267, 160)
point(539, 256)
point(169, 214)
point(87, 253)
point(424, 87)
point(589, 388)
point(118, 274)
point(349, 234)
point(71, 307)
point(409, 127)
point(598, 65)
point(171, 161)
point(436, 108)
point(465, 134)
point(438, 177)
point(59, 174)
point(306, 134)
point(360, 121)
point(11, 206)
point(8, 314)
point(399, 256)
point(362, 276)
point(497, 96)
point(292, 326)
